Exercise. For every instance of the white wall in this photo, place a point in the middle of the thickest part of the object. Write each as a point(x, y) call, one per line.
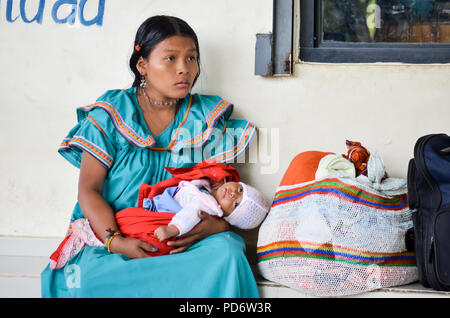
point(49, 69)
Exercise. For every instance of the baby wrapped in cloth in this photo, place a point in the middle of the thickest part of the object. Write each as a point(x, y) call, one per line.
point(141, 223)
point(241, 205)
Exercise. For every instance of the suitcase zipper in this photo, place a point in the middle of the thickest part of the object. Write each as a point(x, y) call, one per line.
point(420, 249)
point(413, 197)
point(431, 257)
point(434, 253)
point(431, 267)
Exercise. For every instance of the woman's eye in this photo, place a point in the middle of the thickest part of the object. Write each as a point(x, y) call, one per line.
point(170, 58)
point(191, 58)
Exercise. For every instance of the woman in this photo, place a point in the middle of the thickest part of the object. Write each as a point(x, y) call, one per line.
point(127, 138)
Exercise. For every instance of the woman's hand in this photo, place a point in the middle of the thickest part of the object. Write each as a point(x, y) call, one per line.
point(131, 247)
point(208, 225)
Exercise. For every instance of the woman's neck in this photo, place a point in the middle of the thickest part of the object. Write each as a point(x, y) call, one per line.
point(157, 117)
point(157, 102)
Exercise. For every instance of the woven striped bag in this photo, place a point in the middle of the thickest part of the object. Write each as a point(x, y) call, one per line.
point(336, 237)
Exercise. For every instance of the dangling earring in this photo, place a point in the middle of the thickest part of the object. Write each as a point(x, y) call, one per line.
point(143, 82)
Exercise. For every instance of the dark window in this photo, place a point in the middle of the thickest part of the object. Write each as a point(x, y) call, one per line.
point(410, 31)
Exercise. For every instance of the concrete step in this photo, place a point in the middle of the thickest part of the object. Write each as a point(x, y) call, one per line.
point(23, 259)
point(21, 263)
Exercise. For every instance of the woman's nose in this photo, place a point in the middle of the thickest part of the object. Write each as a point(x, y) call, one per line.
point(182, 67)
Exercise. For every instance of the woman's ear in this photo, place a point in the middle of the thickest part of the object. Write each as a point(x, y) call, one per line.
point(141, 66)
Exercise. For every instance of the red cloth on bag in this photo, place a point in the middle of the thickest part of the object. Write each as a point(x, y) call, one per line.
point(141, 223)
point(303, 167)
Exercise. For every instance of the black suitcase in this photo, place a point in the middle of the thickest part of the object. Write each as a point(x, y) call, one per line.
point(429, 196)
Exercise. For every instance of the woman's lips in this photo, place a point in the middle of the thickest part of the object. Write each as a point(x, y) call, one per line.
point(182, 84)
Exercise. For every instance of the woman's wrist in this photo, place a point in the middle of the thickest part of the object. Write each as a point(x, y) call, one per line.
point(226, 226)
point(218, 225)
point(112, 235)
point(114, 245)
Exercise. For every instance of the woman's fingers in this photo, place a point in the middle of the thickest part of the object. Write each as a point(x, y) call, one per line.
point(148, 247)
point(208, 225)
point(184, 243)
point(143, 248)
point(178, 250)
point(140, 248)
point(203, 215)
point(188, 240)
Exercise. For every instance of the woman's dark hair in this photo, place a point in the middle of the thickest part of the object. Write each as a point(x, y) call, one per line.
point(155, 30)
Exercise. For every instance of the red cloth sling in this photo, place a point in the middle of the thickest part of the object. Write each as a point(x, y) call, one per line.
point(140, 223)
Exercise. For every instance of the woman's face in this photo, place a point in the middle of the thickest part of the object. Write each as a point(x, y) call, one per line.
point(171, 68)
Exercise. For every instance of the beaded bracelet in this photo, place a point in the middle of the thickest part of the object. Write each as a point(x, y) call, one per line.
point(109, 238)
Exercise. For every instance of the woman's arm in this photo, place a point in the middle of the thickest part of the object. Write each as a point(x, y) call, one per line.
point(208, 225)
point(99, 213)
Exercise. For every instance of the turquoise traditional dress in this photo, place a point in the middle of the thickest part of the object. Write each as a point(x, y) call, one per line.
point(113, 130)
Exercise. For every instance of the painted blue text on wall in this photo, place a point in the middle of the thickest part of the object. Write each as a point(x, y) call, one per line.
point(69, 9)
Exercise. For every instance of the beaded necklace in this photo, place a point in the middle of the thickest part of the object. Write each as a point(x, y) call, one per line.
point(156, 102)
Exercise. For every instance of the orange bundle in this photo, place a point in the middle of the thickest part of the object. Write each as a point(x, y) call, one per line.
point(358, 155)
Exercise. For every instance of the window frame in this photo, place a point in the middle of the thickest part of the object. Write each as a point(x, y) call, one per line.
point(312, 49)
point(274, 51)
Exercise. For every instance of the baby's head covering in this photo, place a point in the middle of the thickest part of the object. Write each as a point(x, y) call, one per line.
point(251, 211)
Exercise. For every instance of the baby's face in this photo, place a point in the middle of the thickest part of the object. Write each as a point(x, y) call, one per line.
point(229, 196)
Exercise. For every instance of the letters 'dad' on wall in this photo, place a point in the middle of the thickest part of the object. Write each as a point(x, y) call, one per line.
point(59, 12)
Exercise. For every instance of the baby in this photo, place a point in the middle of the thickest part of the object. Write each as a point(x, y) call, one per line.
point(241, 205)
